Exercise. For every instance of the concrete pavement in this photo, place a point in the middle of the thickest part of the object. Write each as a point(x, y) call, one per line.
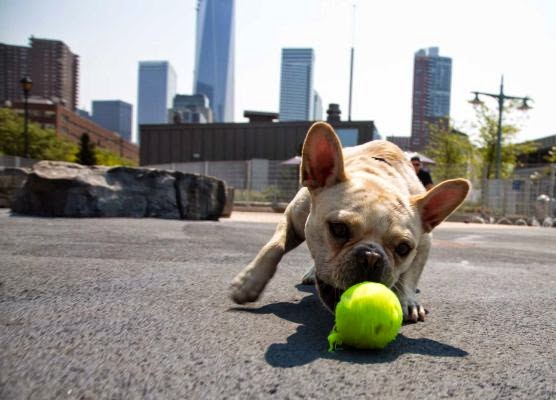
point(138, 308)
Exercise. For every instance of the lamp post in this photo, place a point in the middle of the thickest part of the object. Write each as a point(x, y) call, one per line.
point(501, 97)
point(26, 85)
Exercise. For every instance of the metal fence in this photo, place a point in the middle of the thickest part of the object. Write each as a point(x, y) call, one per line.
point(16, 162)
point(254, 180)
point(530, 192)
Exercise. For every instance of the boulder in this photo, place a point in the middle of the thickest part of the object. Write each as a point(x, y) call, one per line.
point(229, 206)
point(11, 179)
point(61, 189)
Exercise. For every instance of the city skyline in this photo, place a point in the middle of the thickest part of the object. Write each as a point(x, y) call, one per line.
point(386, 37)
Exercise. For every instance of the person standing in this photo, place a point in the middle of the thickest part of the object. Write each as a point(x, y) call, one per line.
point(423, 175)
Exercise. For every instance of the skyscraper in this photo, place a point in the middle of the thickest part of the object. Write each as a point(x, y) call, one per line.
point(54, 71)
point(114, 115)
point(317, 107)
point(51, 65)
point(215, 55)
point(190, 109)
point(157, 87)
point(432, 82)
point(13, 67)
point(296, 85)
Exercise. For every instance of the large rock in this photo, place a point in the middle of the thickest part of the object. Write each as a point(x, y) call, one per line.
point(60, 189)
point(11, 179)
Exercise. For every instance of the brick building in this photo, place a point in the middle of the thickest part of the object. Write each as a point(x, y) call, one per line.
point(432, 85)
point(13, 67)
point(70, 125)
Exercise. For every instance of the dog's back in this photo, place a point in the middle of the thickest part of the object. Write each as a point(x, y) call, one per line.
point(363, 159)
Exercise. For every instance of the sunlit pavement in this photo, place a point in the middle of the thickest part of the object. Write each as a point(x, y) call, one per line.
point(138, 308)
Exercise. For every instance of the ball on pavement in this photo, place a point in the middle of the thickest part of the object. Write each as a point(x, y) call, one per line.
point(368, 316)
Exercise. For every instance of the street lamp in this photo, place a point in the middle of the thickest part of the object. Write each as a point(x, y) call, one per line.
point(501, 97)
point(26, 85)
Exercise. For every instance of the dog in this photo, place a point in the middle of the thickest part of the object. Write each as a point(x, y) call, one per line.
point(365, 216)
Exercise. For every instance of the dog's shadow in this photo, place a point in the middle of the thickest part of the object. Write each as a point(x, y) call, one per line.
point(309, 342)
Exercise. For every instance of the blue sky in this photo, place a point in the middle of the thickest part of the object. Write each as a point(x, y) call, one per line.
point(485, 39)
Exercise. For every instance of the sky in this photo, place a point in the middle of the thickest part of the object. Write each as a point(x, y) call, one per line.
point(484, 38)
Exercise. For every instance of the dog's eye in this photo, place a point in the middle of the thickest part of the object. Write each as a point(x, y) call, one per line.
point(403, 249)
point(339, 230)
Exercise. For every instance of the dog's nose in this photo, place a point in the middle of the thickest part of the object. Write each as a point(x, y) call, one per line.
point(371, 260)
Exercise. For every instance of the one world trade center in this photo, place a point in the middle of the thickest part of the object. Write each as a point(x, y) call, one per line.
point(214, 56)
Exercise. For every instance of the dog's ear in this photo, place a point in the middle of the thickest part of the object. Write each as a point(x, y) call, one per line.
point(440, 201)
point(322, 163)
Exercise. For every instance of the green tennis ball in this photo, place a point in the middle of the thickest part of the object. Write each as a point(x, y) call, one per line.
point(368, 316)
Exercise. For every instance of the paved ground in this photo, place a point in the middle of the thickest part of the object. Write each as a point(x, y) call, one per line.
point(125, 309)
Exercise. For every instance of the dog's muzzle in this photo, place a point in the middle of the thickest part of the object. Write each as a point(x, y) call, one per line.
point(370, 262)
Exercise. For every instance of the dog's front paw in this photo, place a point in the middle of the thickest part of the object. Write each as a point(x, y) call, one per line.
point(412, 310)
point(247, 287)
point(309, 277)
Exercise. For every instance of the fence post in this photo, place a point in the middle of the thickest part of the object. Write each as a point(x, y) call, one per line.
point(248, 182)
point(551, 193)
point(484, 193)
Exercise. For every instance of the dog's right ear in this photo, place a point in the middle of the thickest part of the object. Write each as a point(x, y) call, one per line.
point(322, 163)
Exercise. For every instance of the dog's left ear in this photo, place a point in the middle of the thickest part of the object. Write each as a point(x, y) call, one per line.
point(322, 163)
point(440, 201)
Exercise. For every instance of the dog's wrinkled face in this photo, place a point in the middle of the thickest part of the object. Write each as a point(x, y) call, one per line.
point(358, 232)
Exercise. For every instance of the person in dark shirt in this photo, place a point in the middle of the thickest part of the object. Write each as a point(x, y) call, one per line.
point(423, 175)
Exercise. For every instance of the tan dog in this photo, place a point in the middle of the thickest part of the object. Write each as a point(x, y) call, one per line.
point(365, 216)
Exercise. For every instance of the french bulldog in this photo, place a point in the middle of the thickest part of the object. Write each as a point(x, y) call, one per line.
point(365, 216)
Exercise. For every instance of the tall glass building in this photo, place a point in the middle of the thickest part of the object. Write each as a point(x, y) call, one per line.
point(114, 115)
point(214, 56)
point(157, 88)
point(296, 85)
point(432, 85)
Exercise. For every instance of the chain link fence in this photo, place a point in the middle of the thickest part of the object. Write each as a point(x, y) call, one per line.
point(16, 162)
point(254, 181)
point(528, 194)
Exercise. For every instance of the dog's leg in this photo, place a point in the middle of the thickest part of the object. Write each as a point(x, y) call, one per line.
point(249, 283)
point(406, 288)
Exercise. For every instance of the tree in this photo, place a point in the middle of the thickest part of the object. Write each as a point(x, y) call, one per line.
point(105, 157)
point(487, 124)
point(86, 154)
point(43, 143)
point(451, 150)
